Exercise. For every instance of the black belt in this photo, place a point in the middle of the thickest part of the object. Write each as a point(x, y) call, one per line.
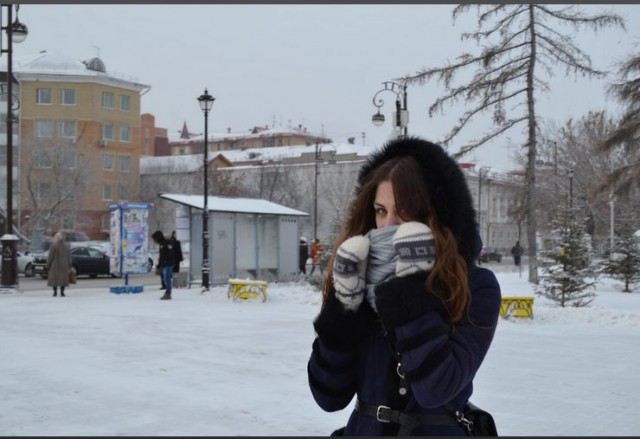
point(407, 421)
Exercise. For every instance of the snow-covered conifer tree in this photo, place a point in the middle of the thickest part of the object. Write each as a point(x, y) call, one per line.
point(568, 280)
point(624, 258)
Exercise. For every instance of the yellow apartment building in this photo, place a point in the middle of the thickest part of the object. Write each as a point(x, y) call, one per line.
point(80, 143)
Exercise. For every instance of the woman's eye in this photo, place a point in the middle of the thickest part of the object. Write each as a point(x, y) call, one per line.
point(381, 211)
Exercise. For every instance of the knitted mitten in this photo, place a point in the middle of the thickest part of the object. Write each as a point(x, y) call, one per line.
point(349, 269)
point(416, 248)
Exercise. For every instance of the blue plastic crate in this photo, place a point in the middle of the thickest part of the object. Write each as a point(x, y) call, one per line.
point(119, 289)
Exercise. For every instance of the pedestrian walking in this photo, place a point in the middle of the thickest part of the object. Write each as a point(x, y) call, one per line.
point(516, 251)
point(316, 253)
point(177, 252)
point(303, 248)
point(166, 261)
point(58, 264)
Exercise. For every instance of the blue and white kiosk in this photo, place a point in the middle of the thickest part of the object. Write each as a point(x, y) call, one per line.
point(129, 237)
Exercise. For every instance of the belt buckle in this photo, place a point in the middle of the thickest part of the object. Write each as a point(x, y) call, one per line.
point(379, 413)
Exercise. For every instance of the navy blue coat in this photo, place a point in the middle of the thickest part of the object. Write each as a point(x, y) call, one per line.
point(351, 356)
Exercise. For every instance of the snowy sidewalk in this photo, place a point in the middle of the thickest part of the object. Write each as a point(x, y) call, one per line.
point(96, 363)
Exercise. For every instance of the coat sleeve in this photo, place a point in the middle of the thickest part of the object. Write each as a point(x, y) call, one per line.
point(332, 367)
point(439, 359)
point(50, 256)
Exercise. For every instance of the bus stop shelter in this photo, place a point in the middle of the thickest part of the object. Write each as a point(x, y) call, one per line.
point(248, 238)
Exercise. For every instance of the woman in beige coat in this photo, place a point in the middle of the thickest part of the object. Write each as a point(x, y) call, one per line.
point(58, 264)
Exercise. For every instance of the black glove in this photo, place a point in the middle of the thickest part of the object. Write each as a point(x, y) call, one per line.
point(341, 329)
point(403, 299)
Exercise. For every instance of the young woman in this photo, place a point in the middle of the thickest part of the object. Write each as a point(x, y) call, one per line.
point(407, 318)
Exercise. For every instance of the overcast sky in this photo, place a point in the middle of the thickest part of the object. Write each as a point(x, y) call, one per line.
point(314, 65)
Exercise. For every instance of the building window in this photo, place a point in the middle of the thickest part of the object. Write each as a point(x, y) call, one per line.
point(105, 223)
point(107, 193)
point(43, 189)
point(123, 193)
point(70, 159)
point(68, 129)
point(42, 159)
point(107, 161)
point(125, 163)
point(125, 103)
point(67, 96)
point(107, 131)
point(43, 96)
point(107, 99)
point(124, 134)
point(44, 128)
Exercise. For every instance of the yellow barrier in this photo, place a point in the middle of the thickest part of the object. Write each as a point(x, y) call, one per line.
point(247, 289)
point(516, 306)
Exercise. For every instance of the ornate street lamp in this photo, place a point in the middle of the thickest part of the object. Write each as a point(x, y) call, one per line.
point(401, 113)
point(16, 33)
point(206, 102)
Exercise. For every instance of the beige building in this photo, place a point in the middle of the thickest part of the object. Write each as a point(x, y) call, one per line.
point(79, 143)
point(256, 137)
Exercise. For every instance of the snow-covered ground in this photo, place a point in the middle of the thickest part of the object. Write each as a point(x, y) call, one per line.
point(96, 363)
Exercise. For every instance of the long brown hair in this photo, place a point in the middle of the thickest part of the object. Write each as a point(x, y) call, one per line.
point(448, 279)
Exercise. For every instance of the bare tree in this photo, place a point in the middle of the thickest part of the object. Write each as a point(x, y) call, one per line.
point(627, 134)
point(337, 188)
point(578, 149)
point(506, 73)
point(270, 181)
point(54, 175)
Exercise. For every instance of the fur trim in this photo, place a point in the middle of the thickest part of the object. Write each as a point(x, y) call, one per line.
point(446, 184)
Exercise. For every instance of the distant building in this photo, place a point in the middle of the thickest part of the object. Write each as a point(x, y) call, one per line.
point(153, 140)
point(257, 137)
point(291, 170)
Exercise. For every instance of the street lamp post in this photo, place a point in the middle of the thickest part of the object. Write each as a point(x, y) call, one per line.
point(206, 102)
point(16, 33)
point(402, 114)
point(481, 173)
point(315, 196)
point(318, 158)
point(571, 174)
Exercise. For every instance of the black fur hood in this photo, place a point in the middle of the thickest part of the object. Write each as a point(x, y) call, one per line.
point(446, 184)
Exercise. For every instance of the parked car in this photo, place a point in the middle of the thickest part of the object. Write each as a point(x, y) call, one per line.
point(105, 247)
point(489, 254)
point(24, 263)
point(86, 260)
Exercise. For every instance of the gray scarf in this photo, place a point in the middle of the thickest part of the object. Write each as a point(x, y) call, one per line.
point(381, 265)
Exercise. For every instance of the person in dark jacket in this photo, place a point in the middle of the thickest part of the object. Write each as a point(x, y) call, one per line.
point(58, 265)
point(516, 251)
point(177, 252)
point(407, 317)
point(166, 261)
point(303, 248)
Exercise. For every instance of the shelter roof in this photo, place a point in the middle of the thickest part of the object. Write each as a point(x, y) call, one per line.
point(233, 204)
